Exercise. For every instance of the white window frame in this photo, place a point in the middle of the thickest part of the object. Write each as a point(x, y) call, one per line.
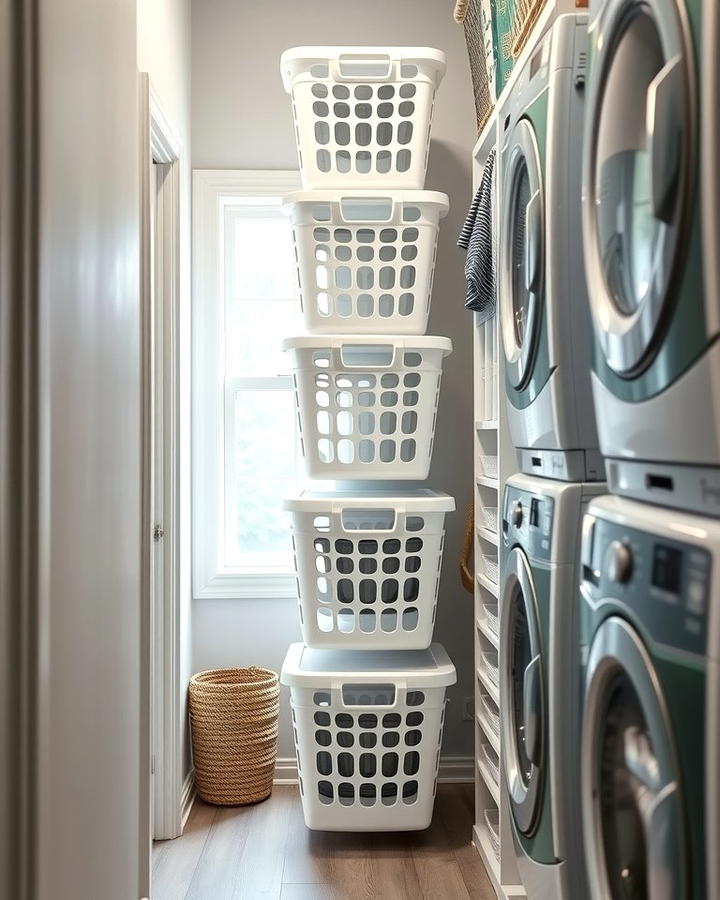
point(212, 190)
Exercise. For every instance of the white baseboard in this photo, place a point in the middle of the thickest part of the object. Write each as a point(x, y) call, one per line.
point(457, 769)
point(453, 769)
point(285, 770)
point(187, 798)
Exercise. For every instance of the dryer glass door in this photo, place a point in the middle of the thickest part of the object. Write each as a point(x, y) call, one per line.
point(631, 791)
point(522, 693)
point(637, 157)
point(521, 253)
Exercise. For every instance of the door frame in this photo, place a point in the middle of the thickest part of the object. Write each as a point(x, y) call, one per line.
point(163, 736)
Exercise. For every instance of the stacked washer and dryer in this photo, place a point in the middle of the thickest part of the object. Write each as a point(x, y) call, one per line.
point(650, 633)
point(545, 336)
point(609, 287)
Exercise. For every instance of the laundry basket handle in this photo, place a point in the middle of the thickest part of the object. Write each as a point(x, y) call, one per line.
point(368, 356)
point(352, 692)
point(362, 67)
point(370, 210)
point(390, 511)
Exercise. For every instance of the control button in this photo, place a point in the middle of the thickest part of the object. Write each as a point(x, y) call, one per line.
point(620, 562)
point(534, 512)
point(696, 597)
point(516, 513)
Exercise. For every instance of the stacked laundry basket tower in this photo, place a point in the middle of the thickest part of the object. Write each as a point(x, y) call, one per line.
point(367, 684)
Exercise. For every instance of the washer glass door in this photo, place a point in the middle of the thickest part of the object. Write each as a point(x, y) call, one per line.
point(637, 155)
point(631, 791)
point(521, 253)
point(522, 693)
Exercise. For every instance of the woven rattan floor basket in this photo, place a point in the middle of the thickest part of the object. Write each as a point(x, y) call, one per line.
point(234, 723)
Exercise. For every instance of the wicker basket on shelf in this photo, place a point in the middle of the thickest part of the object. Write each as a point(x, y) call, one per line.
point(496, 32)
point(526, 14)
point(468, 13)
point(234, 725)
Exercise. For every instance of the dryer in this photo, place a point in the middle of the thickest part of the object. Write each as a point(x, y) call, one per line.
point(650, 639)
point(539, 680)
point(650, 201)
point(544, 319)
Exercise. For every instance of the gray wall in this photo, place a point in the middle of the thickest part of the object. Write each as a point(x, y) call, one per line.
point(241, 119)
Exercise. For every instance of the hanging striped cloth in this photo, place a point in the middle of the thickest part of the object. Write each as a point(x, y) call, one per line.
point(477, 238)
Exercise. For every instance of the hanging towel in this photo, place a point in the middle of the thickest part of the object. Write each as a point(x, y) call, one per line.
point(477, 238)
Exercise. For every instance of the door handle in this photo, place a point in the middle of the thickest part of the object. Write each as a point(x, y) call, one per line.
point(533, 243)
point(663, 123)
point(532, 709)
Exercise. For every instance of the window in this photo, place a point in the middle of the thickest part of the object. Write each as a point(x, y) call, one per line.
point(246, 454)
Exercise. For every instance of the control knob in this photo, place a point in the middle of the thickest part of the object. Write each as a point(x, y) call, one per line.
point(620, 562)
point(516, 513)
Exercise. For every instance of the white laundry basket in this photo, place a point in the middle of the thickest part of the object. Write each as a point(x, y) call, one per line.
point(367, 404)
point(368, 567)
point(366, 258)
point(362, 114)
point(368, 728)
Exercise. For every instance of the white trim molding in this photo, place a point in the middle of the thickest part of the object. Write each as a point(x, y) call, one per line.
point(453, 770)
point(286, 770)
point(213, 190)
point(187, 798)
point(168, 699)
point(164, 143)
point(161, 460)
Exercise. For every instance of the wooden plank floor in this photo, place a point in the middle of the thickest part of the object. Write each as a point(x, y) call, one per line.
point(265, 852)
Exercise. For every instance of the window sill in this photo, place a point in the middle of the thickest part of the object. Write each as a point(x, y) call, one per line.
point(223, 586)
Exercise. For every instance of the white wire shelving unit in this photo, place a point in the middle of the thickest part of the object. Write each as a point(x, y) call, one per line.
point(494, 460)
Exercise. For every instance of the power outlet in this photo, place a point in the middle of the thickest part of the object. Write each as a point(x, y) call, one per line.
point(469, 709)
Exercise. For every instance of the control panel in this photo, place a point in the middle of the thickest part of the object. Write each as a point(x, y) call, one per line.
point(664, 583)
point(528, 520)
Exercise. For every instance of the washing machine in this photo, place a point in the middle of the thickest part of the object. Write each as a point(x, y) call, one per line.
point(650, 209)
point(539, 680)
point(544, 319)
point(650, 646)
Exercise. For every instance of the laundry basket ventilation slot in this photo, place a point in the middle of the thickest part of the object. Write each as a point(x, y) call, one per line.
point(365, 264)
point(368, 411)
point(362, 120)
point(368, 577)
point(368, 730)
point(367, 758)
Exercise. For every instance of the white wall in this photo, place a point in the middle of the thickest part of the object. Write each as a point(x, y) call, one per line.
point(241, 119)
point(13, 457)
point(163, 49)
point(163, 36)
point(88, 491)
